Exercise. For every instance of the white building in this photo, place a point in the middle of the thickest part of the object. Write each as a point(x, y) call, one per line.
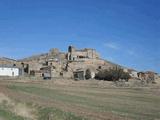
point(9, 71)
point(132, 72)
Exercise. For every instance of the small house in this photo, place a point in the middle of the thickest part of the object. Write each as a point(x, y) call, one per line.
point(133, 73)
point(79, 75)
point(11, 71)
point(46, 72)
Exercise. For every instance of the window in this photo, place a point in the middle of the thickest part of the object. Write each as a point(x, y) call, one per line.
point(100, 67)
point(81, 57)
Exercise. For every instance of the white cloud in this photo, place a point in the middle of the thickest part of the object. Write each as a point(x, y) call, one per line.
point(112, 46)
point(122, 48)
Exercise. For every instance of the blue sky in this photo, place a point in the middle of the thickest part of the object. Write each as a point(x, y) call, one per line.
point(126, 32)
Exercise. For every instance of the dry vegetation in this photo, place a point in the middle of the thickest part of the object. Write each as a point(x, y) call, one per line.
point(77, 100)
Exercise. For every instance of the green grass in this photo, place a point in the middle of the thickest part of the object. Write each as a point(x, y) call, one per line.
point(128, 103)
point(55, 114)
point(7, 115)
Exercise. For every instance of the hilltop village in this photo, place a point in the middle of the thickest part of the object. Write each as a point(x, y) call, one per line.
point(56, 64)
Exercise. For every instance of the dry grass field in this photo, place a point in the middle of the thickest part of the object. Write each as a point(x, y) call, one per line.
point(77, 100)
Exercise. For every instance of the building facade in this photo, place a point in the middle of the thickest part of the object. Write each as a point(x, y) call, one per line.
point(9, 71)
point(76, 55)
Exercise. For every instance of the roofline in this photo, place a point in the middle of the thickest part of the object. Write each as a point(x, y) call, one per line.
point(4, 66)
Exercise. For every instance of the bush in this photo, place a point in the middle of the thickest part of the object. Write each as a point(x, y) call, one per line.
point(88, 74)
point(112, 75)
point(125, 76)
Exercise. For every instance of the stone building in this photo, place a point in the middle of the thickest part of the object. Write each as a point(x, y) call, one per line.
point(79, 75)
point(75, 55)
point(148, 76)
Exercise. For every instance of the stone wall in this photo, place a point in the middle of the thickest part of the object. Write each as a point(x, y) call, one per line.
point(75, 55)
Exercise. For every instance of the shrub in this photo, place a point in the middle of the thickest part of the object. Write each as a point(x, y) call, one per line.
point(125, 76)
point(88, 74)
point(112, 74)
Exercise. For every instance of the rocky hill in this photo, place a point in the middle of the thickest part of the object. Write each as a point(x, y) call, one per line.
point(59, 64)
